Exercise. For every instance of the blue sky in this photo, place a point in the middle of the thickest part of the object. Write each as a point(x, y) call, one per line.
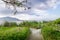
point(41, 10)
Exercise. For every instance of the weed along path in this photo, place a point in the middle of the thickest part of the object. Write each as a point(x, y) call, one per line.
point(35, 34)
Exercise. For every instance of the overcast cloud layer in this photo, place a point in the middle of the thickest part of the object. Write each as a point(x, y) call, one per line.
point(39, 11)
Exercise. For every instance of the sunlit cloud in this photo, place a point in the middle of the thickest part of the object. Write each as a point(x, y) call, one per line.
point(39, 10)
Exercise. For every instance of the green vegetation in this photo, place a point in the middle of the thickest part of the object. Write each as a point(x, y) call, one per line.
point(14, 33)
point(51, 30)
point(10, 24)
point(32, 24)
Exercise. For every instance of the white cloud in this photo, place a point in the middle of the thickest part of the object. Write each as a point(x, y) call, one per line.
point(25, 17)
point(47, 4)
point(2, 5)
point(2, 16)
point(39, 15)
point(38, 11)
point(53, 3)
point(44, 15)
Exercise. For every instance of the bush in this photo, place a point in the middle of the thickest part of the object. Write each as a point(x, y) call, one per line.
point(51, 33)
point(10, 24)
point(32, 24)
point(6, 24)
point(14, 33)
point(57, 21)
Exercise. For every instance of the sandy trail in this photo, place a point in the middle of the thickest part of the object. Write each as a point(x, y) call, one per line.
point(35, 34)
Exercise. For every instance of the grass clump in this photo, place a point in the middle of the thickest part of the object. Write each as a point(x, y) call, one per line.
point(51, 32)
point(14, 33)
point(10, 24)
point(30, 24)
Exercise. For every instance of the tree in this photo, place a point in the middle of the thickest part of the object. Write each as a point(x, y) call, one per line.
point(16, 3)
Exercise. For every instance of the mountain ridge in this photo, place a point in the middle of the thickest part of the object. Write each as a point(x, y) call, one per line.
point(9, 19)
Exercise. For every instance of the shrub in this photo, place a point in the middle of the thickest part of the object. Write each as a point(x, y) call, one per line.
point(10, 24)
point(13, 24)
point(14, 33)
point(6, 24)
point(51, 33)
point(32, 24)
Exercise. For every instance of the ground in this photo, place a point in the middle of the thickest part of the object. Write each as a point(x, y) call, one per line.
point(35, 34)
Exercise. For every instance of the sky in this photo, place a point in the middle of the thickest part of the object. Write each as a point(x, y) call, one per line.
point(40, 10)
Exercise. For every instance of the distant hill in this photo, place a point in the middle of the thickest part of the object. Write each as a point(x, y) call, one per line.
point(9, 19)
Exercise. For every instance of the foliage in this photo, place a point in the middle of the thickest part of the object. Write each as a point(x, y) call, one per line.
point(50, 31)
point(17, 3)
point(10, 24)
point(32, 24)
point(57, 21)
point(14, 33)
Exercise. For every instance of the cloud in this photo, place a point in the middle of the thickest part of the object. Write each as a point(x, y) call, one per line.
point(44, 15)
point(46, 4)
point(39, 15)
point(37, 12)
point(2, 16)
point(25, 17)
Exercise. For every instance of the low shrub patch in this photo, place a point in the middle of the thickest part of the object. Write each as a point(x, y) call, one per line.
point(14, 33)
point(51, 33)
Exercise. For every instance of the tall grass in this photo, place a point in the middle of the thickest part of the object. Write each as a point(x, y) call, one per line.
point(14, 33)
point(32, 24)
point(51, 30)
point(10, 24)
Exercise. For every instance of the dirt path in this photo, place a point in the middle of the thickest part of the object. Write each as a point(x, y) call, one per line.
point(35, 34)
